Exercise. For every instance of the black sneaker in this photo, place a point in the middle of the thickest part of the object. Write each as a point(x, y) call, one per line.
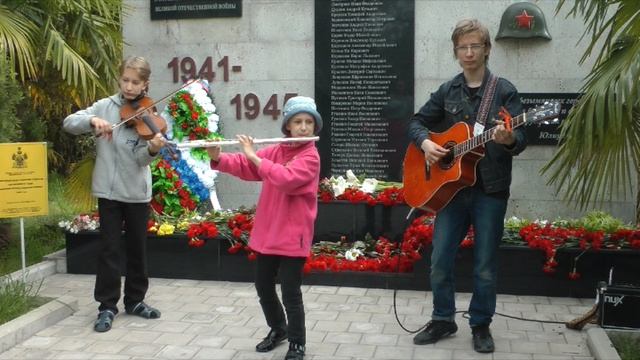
point(436, 330)
point(272, 339)
point(296, 352)
point(482, 339)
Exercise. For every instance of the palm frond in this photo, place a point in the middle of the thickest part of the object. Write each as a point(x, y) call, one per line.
point(78, 187)
point(606, 21)
point(73, 67)
point(16, 41)
point(600, 138)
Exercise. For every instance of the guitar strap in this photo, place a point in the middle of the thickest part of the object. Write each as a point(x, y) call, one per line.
point(485, 103)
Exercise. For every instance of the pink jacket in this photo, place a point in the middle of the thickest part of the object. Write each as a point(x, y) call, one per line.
point(287, 206)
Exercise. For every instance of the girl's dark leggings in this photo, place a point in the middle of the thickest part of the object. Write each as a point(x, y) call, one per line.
point(289, 272)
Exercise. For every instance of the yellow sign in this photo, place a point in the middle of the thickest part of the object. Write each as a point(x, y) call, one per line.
point(23, 180)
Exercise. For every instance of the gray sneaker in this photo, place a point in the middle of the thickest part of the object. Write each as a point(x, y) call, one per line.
point(104, 321)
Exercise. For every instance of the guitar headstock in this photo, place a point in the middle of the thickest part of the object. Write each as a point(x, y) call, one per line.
point(546, 113)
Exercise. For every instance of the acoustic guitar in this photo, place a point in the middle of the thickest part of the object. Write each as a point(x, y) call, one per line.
point(432, 187)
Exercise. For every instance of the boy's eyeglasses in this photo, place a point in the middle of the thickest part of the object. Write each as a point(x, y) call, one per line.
point(475, 48)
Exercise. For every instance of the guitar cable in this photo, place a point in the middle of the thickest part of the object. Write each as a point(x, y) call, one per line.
point(465, 314)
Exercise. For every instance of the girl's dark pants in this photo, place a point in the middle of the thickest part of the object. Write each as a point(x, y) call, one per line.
point(108, 285)
point(289, 271)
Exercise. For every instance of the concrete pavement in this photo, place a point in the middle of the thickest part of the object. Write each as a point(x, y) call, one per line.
point(223, 320)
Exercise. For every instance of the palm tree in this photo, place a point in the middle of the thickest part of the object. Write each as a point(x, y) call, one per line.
point(64, 52)
point(600, 138)
point(10, 97)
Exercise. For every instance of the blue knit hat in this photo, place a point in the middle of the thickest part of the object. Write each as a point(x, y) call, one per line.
point(297, 105)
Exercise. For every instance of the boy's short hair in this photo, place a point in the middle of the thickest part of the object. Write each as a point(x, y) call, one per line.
point(466, 26)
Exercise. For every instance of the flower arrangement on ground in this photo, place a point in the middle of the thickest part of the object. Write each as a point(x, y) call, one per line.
point(355, 190)
point(234, 226)
point(378, 255)
point(594, 232)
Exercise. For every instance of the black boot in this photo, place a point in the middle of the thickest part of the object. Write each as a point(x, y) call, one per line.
point(296, 352)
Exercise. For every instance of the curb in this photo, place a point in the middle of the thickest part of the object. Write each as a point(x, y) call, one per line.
point(600, 345)
point(33, 273)
point(23, 327)
point(60, 259)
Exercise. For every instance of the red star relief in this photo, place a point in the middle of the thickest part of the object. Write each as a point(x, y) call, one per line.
point(524, 20)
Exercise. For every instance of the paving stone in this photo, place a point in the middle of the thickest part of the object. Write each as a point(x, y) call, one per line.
point(177, 352)
point(321, 349)
point(215, 354)
point(429, 352)
point(393, 352)
point(356, 350)
point(367, 328)
point(210, 341)
point(321, 315)
point(376, 309)
point(352, 291)
point(174, 339)
point(343, 337)
point(499, 355)
point(530, 347)
point(338, 326)
point(379, 339)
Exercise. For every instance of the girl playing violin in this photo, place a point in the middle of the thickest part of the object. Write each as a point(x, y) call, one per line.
point(122, 183)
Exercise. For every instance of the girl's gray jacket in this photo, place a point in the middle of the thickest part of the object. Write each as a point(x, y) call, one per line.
point(121, 171)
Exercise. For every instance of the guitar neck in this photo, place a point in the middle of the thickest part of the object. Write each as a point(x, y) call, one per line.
point(479, 140)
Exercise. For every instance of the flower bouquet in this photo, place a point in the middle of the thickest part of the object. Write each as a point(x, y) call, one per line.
point(369, 254)
point(82, 222)
point(355, 190)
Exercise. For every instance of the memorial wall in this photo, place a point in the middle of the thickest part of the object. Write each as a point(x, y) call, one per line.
point(370, 64)
point(364, 75)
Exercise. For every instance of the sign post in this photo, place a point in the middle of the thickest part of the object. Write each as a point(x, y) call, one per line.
point(23, 184)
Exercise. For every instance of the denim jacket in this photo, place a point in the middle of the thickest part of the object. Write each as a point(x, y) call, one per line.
point(452, 103)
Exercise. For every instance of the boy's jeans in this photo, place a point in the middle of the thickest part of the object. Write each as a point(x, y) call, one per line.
point(470, 206)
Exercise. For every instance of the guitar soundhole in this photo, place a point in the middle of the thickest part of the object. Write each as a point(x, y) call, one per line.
point(447, 161)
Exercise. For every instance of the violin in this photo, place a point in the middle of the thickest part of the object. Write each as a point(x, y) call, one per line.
point(141, 114)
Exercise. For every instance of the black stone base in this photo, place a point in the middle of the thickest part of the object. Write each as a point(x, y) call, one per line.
point(354, 221)
point(520, 268)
